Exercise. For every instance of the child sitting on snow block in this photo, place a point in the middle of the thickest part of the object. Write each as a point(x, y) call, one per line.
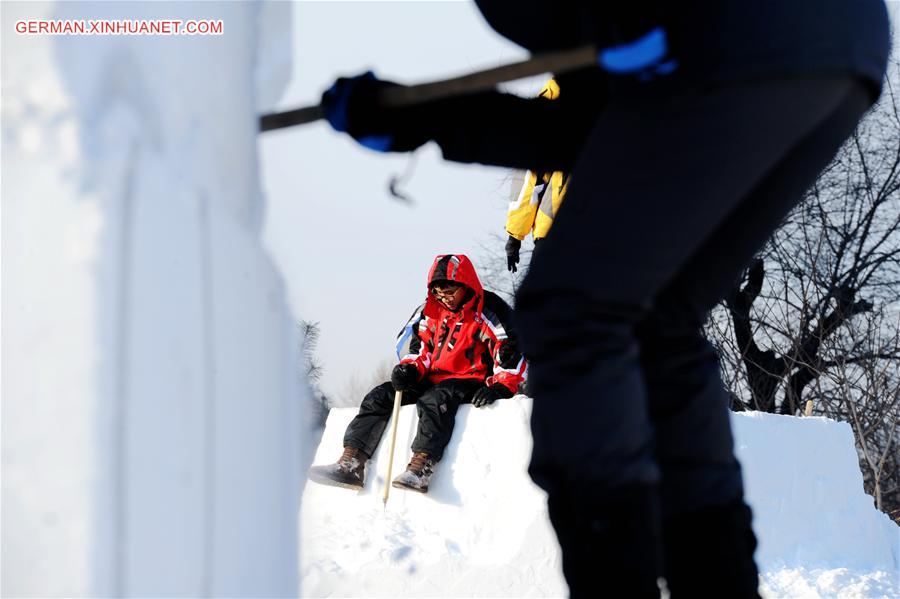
point(461, 349)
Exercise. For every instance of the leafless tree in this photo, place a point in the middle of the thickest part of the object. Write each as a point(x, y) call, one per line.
point(492, 269)
point(356, 386)
point(866, 393)
point(817, 314)
point(310, 370)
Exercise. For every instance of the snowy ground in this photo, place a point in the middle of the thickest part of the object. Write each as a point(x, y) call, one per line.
point(482, 530)
point(819, 534)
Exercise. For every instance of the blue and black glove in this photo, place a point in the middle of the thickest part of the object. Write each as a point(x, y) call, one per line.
point(352, 106)
point(488, 395)
point(404, 377)
point(645, 58)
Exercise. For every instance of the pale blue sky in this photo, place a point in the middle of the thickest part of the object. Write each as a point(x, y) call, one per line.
point(354, 259)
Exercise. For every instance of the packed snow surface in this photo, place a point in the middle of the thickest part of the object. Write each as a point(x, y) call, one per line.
point(482, 530)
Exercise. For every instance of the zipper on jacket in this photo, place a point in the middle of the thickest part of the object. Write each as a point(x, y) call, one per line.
point(443, 332)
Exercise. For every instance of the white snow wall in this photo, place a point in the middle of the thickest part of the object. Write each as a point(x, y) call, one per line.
point(483, 531)
point(150, 413)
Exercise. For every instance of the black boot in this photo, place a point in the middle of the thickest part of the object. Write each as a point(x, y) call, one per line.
point(417, 475)
point(610, 540)
point(709, 553)
point(348, 472)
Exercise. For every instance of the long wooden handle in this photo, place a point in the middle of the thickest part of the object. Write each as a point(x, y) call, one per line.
point(551, 62)
point(395, 415)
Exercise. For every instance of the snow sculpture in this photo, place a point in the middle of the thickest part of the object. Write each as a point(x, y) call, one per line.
point(150, 420)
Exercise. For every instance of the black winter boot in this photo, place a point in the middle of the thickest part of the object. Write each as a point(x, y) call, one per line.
point(348, 472)
point(610, 540)
point(418, 474)
point(709, 553)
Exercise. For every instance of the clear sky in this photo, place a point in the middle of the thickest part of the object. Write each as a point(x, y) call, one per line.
point(354, 259)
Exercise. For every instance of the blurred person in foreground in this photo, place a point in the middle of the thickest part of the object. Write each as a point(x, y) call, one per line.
point(699, 127)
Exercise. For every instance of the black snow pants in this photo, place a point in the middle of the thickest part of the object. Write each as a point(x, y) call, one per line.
point(436, 404)
point(671, 197)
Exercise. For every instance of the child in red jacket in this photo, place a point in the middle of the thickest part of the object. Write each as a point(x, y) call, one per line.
point(460, 349)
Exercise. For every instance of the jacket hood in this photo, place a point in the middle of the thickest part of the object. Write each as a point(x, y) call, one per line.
point(459, 269)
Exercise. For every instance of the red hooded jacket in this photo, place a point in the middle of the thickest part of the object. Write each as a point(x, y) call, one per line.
point(474, 342)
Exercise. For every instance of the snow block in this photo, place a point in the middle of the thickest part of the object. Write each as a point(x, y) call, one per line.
point(483, 529)
point(802, 479)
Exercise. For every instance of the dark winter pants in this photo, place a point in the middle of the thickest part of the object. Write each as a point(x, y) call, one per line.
point(673, 194)
point(436, 405)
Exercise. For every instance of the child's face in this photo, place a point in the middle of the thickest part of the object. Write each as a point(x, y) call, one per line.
point(448, 293)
